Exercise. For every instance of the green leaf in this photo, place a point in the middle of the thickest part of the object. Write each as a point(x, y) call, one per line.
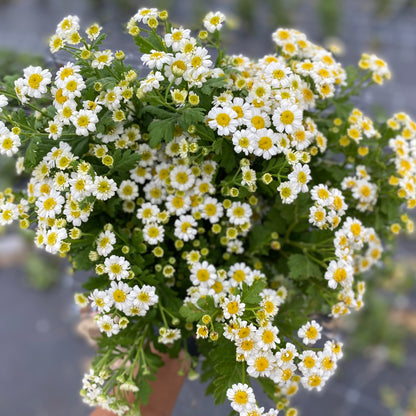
point(94, 282)
point(191, 312)
point(301, 267)
point(212, 84)
point(251, 294)
point(161, 130)
point(125, 160)
point(228, 370)
point(159, 112)
point(189, 116)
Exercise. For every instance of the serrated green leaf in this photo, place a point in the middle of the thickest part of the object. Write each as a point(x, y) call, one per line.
point(251, 293)
point(301, 267)
point(190, 312)
point(161, 130)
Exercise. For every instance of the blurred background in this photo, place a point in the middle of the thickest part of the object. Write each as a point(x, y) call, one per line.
point(42, 352)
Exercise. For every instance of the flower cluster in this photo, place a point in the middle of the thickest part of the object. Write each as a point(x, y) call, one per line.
point(230, 201)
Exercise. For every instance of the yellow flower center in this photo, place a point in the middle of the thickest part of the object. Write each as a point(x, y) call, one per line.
point(35, 80)
point(119, 296)
point(287, 117)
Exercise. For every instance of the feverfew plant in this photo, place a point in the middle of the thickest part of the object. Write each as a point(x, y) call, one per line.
point(232, 201)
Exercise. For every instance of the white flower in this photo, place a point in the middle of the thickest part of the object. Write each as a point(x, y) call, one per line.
point(143, 297)
point(53, 239)
point(105, 243)
point(241, 397)
point(50, 205)
point(84, 122)
point(153, 233)
point(36, 81)
point(203, 274)
point(102, 59)
point(222, 119)
point(118, 293)
point(103, 188)
point(151, 82)
point(233, 307)
point(100, 300)
point(3, 102)
point(9, 142)
point(8, 213)
point(128, 190)
point(106, 324)
point(240, 273)
point(182, 178)
point(239, 213)
point(184, 227)
point(67, 26)
point(261, 364)
point(213, 21)
point(81, 185)
point(156, 59)
point(265, 143)
point(310, 332)
point(176, 37)
point(117, 267)
point(287, 118)
point(300, 176)
point(339, 272)
point(148, 213)
point(211, 209)
point(244, 141)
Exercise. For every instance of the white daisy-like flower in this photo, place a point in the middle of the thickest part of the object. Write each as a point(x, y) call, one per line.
point(156, 59)
point(265, 143)
point(103, 188)
point(232, 307)
point(53, 239)
point(9, 142)
point(300, 176)
point(213, 21)
point(242, 397)
point(118, 293)
point(287, 118)
point(203, 274)
point(148, 213)
point(339, 273)
point(50, 205)
point(239, 213)
point(106, 324)
point(85, 122)
point(105, 243)
point(72, 86)
point(153, 233)
point(8, 213)
point(310, 332)
point(240, 273)
point(128, 190)
point(185, 228)
point(261, 364)
point(37, 80)
point(100, 300)
point(143, 297)
point(182, 178)
point(117, 267)
point(102, 59)
point(151, 82)
point(175, 38)
point(244, 141)
point(222, 119)
point(211, 209)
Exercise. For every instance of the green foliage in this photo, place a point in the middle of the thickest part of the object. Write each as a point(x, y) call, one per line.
point(301, 267)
